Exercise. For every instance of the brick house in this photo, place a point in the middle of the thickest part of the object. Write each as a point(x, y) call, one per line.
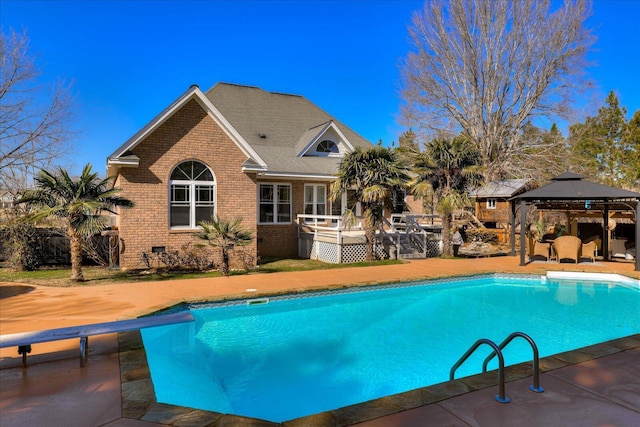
point(236, 151)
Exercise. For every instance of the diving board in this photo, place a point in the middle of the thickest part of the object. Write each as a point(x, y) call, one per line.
point(23, 340)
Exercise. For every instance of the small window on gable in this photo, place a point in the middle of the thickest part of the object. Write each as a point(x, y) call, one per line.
point(491, 203)
point(327, 147)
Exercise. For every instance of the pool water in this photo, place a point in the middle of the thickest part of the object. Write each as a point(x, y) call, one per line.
point(293, 357)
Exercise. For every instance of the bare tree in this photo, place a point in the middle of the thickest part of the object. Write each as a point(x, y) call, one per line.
point(34, 124)
point(486, 67)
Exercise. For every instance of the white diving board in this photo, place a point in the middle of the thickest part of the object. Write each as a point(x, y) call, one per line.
point(23, 340)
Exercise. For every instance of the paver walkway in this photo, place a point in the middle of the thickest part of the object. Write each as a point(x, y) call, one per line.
point(59, 393)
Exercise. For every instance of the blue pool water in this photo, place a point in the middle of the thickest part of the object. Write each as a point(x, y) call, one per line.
point(293, 357)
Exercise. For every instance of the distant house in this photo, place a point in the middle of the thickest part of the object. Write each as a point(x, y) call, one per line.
point(492, 205)
point(7, 199)
point(234, 151)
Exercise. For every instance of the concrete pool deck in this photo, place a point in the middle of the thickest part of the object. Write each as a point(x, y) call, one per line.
point(602, 389)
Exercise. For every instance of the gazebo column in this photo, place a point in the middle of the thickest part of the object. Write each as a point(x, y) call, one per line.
point(512, 219)
point(523, 230)
point(637, 235)
point(605, 237)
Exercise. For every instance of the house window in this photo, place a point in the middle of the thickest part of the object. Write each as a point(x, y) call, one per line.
point(192, 195)
point(327, 147)
point(398, 196)
point(491, 203)
point(274, 203)
point(315, 199)
point(347, 201)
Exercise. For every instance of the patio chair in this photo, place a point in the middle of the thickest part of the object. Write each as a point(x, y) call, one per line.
point(567, 247)
point(590, 250)
point(538, 249)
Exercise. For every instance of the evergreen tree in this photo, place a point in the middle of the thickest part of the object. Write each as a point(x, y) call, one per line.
point(598, 145)
point(631, 145)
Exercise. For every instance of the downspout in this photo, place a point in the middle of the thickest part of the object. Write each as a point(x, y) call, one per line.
point(523, 228)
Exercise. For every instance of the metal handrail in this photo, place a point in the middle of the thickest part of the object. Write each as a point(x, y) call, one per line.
point(536, 367)
point(500, 397)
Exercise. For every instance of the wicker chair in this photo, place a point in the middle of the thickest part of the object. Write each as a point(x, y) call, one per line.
point(567, 247)
point(538, 249)
point(590, 250)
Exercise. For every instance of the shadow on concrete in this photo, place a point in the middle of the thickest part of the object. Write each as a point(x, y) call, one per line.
point(13, 290)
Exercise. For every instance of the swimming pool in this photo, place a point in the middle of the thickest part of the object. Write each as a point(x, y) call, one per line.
point(294, 356)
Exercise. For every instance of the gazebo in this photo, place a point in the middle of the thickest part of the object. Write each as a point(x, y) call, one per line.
point(570, 192)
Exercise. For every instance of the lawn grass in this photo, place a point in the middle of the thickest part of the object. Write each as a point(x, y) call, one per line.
point(103, 276)
point(280, 265)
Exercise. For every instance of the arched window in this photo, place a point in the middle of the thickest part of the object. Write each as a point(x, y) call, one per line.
point(327, 146)
point(192, 195)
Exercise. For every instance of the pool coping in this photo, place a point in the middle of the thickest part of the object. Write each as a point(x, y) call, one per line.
point(139, 400)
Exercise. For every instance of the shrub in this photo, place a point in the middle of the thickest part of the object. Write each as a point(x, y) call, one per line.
point(187, 258)
point(24, 246)
point(482, 235)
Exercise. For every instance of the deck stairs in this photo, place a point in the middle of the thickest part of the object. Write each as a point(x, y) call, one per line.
point(404, 237)
point(463, 217)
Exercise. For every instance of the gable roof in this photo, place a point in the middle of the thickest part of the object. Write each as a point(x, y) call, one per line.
point(281, 128)
point(274, 130)
point(123, 157)
point(309, 139)
point(504, 188)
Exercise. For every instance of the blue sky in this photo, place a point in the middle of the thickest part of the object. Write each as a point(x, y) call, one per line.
point(129, 59)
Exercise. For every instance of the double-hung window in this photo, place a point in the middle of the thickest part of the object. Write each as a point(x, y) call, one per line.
point(315, 200)
point(192, 195)
point(274, 203)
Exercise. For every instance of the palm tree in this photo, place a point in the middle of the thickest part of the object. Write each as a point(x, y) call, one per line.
point(225, 235)
point(445, 171)
point(371, 175)
point(77, 202)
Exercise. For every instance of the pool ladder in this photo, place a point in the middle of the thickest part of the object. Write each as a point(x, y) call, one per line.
point(497, 351)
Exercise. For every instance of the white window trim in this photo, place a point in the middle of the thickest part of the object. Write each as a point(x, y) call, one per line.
point(343, 207)
point(491, 203)
point(275, 203)
point(324, 153)
point(192, 198)
point(315, 199)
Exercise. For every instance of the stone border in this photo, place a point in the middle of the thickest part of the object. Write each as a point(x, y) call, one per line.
point(139, 400)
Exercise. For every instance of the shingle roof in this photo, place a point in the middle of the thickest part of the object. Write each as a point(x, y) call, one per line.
point(276, 126)
point(272, 130)
point(504, 188)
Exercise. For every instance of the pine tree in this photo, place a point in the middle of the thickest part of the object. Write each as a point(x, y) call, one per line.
point(631, 146)
point(598, 144)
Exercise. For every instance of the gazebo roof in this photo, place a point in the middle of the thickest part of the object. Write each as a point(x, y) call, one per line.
point(571, 192)
point(572, 189)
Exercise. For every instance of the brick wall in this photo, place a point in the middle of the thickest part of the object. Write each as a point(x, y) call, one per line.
point(190, 134)
point(281, 240)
